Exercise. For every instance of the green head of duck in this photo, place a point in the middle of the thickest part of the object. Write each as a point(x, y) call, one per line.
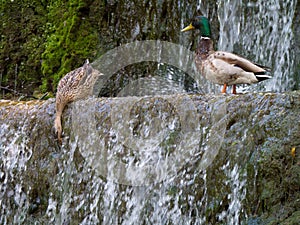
point(201, 23)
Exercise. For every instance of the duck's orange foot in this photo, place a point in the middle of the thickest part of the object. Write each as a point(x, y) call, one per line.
point(224, 88)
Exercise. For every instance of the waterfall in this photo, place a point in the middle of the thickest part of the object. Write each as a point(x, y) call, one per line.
point(149, 157)
point(262, 32)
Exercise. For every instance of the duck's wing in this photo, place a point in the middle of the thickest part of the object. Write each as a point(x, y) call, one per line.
point(221, 72)
point(241, 62)
point(223, 67)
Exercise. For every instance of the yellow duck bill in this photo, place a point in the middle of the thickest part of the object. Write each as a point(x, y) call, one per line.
point(189, 27)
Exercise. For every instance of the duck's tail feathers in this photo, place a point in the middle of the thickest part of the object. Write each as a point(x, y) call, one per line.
point(263, 67)
point(262, 76)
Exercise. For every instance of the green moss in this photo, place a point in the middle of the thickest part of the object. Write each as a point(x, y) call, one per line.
point(293, 219)
point(42, 40)
point(70, 44)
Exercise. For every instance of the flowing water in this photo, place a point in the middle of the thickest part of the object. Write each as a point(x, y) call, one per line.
point(101, 178)
point(262, 31)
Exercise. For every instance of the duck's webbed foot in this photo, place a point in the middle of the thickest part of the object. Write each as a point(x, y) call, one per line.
point(234, 89)
point(224, 88)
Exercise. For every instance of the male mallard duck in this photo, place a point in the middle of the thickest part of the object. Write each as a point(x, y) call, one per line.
point(75, 85)
point(220, 67)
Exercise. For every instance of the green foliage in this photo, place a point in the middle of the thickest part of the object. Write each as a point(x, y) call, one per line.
point(70, 40)
point(21, 43)
point(43, 40)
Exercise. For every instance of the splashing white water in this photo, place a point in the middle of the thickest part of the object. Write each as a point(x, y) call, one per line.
point(14, 159)
point(262, 32)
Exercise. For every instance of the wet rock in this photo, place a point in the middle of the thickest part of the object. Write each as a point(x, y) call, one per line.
point(167, 159)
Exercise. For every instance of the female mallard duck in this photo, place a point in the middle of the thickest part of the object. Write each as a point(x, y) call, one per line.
point(220, 67)
point(75, 85)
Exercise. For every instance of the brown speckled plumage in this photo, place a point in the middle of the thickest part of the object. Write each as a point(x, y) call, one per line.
point(75, 85)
